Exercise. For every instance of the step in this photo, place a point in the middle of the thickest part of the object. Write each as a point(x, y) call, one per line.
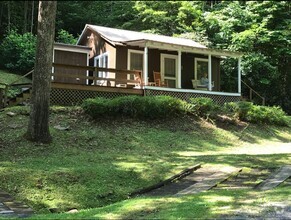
point(212, 177)
point(276, 178)
point(202, 179)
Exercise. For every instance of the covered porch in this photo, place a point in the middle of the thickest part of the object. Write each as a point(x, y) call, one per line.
point(186, 67)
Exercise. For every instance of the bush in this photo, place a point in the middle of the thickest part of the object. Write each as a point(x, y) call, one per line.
point(154, 107)
point(97, 107)
point(247, 111)
point(65, 37)
point(18, 51)
point(203, 106)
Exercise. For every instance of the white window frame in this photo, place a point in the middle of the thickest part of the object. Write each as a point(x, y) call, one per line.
point(101, 63)
point(195, 66)
point(129, 51)
point(163, 77)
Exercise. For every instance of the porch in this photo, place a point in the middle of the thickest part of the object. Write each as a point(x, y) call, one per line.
point(72, 84)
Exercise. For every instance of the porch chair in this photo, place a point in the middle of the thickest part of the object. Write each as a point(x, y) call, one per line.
point(197, 85)
point(158, 80)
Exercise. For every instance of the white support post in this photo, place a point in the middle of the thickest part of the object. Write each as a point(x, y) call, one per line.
point(239, 75)
point(179, 69)
point(145, 65)
point(209, 73)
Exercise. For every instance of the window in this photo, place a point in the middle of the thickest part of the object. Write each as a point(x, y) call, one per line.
point(201, 67)
point(102, 61)
point(134, 62)
point(169, 69)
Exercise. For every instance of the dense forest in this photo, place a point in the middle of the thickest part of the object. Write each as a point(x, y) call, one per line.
point(260, 29)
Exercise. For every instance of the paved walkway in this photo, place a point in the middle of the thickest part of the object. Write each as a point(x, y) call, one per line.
point(276, 178)
point(11, 208)
point(202, 179)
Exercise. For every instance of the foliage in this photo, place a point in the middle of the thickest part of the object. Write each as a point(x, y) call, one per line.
point(203, 106)
point(247, 111)
point(18, 51)
point(65, 37)
point(149, 107)
point(8, 78)
point(96, 163)
point(168, 18)
point(260, 29)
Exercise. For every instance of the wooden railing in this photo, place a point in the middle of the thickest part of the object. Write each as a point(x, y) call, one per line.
point(6, 86)
point(119, 78)
point(252, 92)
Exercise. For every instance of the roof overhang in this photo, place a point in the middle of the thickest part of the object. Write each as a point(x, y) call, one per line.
point(183, 48)
point(72, 48)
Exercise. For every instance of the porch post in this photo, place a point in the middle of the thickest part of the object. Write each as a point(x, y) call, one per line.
point(145, 65)
point(209, 73)
point(239, 75)
point(179, 69)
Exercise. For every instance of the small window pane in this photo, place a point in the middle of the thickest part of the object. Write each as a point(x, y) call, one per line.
point(170, 67)
point(136, 61)
point(202, 67)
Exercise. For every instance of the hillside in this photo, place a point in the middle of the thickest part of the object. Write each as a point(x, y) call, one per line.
point(96, 163)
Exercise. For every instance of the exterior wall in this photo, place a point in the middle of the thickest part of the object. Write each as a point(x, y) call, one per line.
point(188, 70)
point(99, 46)
point(71, 58)
point(118, 56)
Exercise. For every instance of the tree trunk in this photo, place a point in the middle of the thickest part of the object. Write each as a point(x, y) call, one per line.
point(38, 127)
point(32, 14)
point(25, 17)
point(8, 16)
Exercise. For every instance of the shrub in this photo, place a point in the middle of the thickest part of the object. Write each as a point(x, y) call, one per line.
point(65, 37)
point(203, 106)
point(96, 108)
point(154, 107)
point(247, 111)
point(18, 51)
point(240, 109)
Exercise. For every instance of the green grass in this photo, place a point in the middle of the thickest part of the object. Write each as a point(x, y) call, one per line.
point(97, 164)
point(7, 78)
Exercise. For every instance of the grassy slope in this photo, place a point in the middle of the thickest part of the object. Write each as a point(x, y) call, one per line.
point(98, 163)
point(6, 78)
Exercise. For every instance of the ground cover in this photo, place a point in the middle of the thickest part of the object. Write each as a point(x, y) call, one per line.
point(7, 78)
point(98, 163)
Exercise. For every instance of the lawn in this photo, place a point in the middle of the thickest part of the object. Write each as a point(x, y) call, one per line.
point(94, 165)
point(7, 78)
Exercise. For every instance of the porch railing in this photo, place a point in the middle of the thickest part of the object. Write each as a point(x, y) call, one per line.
point(6, 86)
point(119, 78)
point(253, 93)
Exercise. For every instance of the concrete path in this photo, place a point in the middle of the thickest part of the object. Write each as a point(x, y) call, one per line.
point(201, 180)
point(276, 178)
point(12, 209)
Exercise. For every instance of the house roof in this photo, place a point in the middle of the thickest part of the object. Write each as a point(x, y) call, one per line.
point(69, 47)
point(125, 37)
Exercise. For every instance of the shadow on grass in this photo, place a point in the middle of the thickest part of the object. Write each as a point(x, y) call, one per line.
point(98, 163)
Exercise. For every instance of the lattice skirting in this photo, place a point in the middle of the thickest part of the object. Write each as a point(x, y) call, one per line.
point(76, 97)
point(219, 99)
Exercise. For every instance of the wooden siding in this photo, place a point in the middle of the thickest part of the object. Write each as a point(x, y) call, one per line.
point(72, 58)
point(118, 56)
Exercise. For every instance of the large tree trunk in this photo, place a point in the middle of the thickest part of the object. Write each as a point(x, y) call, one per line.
point(38, 127)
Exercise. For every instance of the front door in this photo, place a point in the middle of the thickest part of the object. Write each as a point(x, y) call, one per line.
point(169, 69)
